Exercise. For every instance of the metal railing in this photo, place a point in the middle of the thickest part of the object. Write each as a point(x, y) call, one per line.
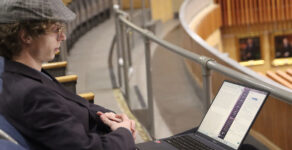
point(207, 64)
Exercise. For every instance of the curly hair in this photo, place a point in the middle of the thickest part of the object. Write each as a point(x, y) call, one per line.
point(10, 42)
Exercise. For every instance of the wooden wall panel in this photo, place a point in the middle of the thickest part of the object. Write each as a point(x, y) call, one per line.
point(209, 24)
point(290, 9)
point(269, 10)
point(245, 12)
point(286, 9)
point(265, 12)
point(246, 9)
point(233, 12)
point(282, 10)
point(251, 11)
point(274, 123)
point(162, 10)
point(136, 4)
point(260, 11)
point(237, 13)
point(242, 16)
point(224, 12)
point(256, 11)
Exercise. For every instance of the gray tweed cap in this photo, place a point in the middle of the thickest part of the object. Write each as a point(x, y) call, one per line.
point(12, 11)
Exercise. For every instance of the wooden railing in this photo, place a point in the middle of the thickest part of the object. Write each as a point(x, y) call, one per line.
point(274, 122)
point(209, 23)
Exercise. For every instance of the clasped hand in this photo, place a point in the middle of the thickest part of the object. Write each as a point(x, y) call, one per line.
point(115, 121)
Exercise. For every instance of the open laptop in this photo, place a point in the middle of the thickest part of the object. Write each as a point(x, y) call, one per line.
point(225, 125)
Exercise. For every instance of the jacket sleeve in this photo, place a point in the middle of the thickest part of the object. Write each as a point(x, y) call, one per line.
point(49, 122)
point(101, 128)
point(97, 108)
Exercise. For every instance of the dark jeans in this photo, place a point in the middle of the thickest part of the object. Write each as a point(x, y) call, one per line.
point(242, 147)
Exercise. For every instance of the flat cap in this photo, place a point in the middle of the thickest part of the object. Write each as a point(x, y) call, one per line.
point(12, 11)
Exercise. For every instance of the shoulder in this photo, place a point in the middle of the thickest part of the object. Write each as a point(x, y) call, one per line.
point(19, 91)
point(15, 83)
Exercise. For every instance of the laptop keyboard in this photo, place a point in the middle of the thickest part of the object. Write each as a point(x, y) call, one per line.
point(187, 143)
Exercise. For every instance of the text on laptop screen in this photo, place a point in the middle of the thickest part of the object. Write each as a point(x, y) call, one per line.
point(232, 113)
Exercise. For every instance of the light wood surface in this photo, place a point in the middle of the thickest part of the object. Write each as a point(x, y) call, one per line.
point(162, 10)
point(289, 71)
point(66, 2)
point(279, 79)
point(68, 78)
point(209, 23)
point(254, 11)
point(136, 4)
point(52, 65)
point(284, 75)
point(87, 96)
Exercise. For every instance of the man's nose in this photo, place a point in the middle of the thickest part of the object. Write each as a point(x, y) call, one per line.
point(62, 37)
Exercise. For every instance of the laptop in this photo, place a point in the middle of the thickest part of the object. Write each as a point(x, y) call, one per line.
point(224, 126)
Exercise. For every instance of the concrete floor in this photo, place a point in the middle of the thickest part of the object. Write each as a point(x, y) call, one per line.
point(177, 105)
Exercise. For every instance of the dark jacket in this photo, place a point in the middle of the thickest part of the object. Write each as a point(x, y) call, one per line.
point(50, 117)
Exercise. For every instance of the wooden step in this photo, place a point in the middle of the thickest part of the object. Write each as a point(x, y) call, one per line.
point(278, 79)
point(55, 69)
point(289, 71)
point(284, 75)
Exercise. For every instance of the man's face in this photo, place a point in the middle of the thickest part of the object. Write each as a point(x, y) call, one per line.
point(249, 42)
point(285, 41)
point(44, 47)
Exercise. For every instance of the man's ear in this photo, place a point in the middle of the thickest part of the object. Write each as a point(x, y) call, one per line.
point(24, 37)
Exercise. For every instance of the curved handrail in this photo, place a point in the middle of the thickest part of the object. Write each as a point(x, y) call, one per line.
point(276, 89)
point(207, 64)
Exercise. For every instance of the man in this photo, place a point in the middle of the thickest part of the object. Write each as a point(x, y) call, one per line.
point(285, 49)
point(40, 108)
point(251, 52)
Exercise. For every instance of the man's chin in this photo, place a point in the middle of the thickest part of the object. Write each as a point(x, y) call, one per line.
point(51, 58)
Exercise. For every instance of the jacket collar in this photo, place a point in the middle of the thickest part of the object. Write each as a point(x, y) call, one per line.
point(19, 68)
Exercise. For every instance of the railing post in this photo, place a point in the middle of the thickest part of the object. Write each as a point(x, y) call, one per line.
point(125, 64)
point(128, 35)
point(118, 34)
point(206, 81)
point(150, 9)
point(120, 2)
point(149, 86)
point(131, 9)
point(143, 14)
point(132, 20)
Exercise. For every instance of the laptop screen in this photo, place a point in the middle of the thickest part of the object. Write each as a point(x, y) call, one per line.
point(232, 113)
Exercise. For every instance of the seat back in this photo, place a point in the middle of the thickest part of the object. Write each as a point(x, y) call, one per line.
point(55, 69)
point(8, 132)
point(69, 82)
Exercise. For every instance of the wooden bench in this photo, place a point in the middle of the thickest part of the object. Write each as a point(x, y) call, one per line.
point(278, 79)
point(88, 96)
point(284, 75)
point(56, 69)
point(289, 71)
point(69, 82)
